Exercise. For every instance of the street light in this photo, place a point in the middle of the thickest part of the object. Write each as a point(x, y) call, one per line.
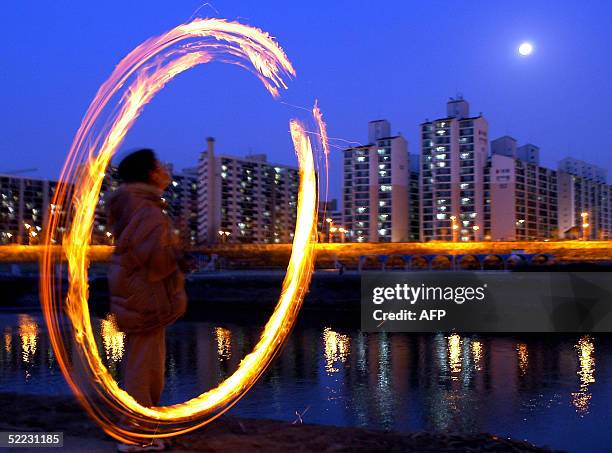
point(476, 229)
point(330, 222)
point(224, 235)
point(342, 234)
point(585, 226)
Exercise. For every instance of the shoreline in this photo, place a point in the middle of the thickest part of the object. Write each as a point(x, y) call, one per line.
point(231, 434)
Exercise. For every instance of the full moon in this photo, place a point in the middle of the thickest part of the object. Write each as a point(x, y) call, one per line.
point(525, 49)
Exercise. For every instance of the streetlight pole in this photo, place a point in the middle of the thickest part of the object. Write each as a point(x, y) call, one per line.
point(330, 222)
point(224, 236)
point(585, 226)
point(342, 234)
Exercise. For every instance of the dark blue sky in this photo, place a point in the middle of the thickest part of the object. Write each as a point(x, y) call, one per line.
point(362, 60)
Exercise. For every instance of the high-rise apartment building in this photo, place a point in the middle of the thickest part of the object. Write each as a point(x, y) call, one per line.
point(330, 223)
point(453, 159)
point(584, 199)
point(583, 169)
point(414, 215)
point(376, 187)
point(520, 195)
point(181, 198)
point(24, 207)
point(245, 199)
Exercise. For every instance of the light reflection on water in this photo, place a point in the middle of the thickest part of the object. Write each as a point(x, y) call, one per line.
point(113, 339)
point(550, 390)
point(28, 334)
point(586, 356)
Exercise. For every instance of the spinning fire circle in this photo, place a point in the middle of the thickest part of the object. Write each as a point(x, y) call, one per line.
point(135, 81)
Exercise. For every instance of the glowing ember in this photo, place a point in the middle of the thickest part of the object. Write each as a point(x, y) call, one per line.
point(135, 81)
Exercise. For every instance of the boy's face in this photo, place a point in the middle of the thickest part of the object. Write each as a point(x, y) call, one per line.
point(160, 177)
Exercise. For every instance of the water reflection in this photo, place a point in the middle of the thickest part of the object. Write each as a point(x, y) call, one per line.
point(224, 343)
point(477, 353)
point(28, 333)
point(454, 355)
point(515, 386)
point(586, 373)
point(337, 349)
point(8, 340)
point(112, 339)
point(523, 358)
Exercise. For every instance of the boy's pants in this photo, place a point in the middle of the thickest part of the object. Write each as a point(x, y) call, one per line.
point(145, 355)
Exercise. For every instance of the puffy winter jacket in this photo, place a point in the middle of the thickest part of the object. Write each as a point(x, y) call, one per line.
point(147, 288)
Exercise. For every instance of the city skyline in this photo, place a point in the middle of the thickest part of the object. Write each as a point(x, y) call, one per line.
point(525, 97)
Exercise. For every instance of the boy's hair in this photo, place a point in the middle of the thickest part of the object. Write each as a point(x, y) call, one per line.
point(137, 166)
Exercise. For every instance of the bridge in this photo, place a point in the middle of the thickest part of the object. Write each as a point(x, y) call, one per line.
point(464, 255)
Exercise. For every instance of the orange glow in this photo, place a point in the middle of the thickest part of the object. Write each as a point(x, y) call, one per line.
point(523, 357)
point(574, 250)
point(28, 333)
point(135, 81)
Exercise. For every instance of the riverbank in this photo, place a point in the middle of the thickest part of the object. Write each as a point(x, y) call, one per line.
point(230, 434)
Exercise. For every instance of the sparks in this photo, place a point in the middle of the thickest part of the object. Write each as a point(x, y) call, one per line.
point(135, 81)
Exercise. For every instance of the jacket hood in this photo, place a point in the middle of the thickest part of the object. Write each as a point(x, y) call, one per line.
point(124, 201)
